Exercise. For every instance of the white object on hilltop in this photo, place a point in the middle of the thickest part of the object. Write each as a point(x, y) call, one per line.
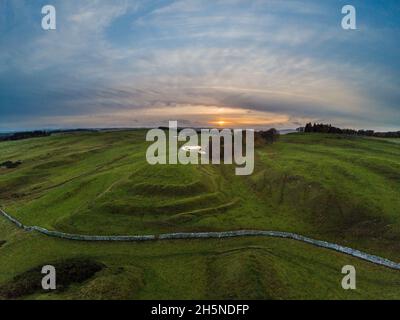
point(193, 148)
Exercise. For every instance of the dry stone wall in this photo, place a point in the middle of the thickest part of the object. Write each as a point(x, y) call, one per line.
point(208, 235)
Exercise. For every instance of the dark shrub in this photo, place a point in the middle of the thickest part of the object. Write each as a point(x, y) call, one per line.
point(10, 164)
point(269, 136)
point(68, 272)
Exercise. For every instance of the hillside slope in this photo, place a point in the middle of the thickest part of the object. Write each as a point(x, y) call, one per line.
point(336, 188)
point(332, 187)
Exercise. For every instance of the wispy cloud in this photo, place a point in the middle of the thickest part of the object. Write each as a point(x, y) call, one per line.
point(121, 62)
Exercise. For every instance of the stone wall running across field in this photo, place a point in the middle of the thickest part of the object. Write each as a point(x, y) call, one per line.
point(207, 235)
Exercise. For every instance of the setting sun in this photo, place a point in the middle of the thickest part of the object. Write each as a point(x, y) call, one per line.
point(220, 123)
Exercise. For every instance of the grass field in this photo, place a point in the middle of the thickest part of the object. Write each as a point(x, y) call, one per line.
point(331, 187)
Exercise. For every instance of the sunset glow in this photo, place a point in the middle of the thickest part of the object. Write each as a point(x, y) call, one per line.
point(221, 123)
point(228, 64)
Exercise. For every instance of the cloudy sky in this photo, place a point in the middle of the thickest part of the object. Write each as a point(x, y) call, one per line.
point(261, 63)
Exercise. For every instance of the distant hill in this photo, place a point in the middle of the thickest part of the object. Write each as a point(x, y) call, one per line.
point(286, 131)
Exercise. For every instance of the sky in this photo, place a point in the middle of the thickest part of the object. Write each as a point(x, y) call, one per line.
point(204, 63)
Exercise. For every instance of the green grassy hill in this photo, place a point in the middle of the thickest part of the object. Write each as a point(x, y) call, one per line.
point(331, 187)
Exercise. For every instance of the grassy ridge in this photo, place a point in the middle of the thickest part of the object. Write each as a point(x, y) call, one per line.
point(103, 178)
point(336, 188)
point(346, 189)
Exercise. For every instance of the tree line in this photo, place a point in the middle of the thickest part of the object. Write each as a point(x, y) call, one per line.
point(24, 135)
point(328, 128)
